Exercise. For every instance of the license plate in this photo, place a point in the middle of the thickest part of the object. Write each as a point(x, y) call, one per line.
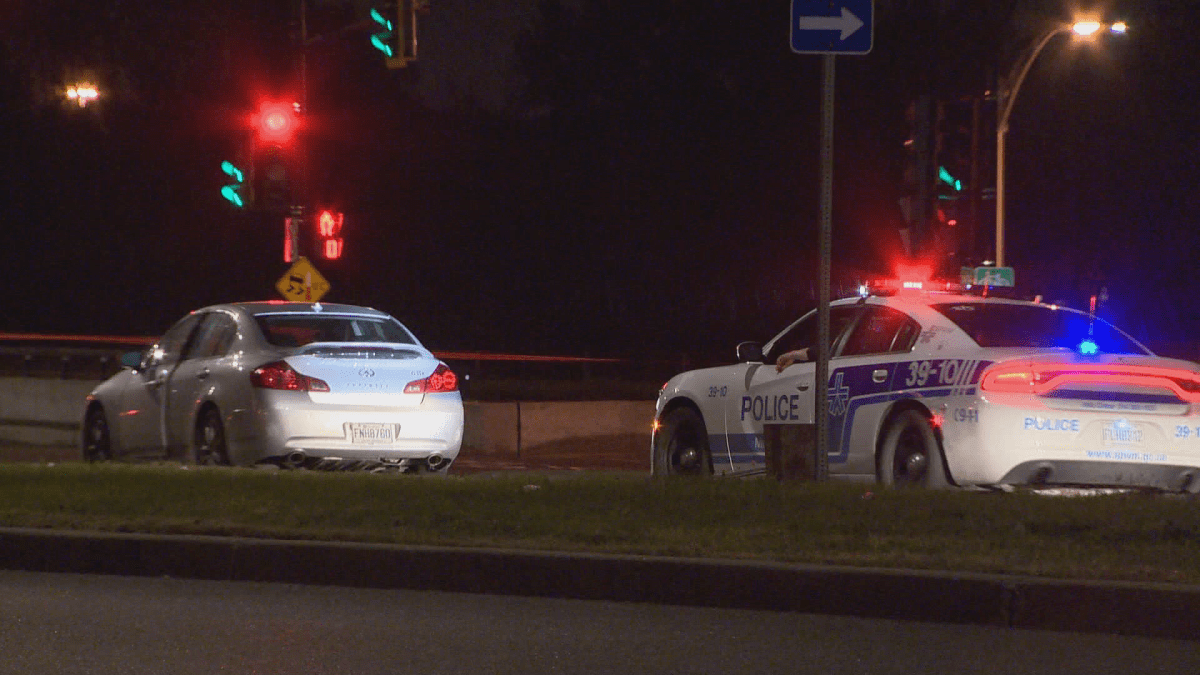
point(1121, 433)
point(371, 432)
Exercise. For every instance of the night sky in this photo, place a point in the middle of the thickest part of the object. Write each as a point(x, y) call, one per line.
point(588, 177)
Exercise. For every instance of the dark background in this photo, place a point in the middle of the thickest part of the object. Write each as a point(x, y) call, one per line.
point(588, 177)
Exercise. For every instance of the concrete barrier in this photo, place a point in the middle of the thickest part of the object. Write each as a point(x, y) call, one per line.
point(41, 411)
point(47, 412)
point(617, 432)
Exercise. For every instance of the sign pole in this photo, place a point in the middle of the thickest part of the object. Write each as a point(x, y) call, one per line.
point(828, 28)
point(821, 461)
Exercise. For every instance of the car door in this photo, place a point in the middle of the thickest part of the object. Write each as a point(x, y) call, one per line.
point(141, 420)
point(194, 375)
point(862, 384)
point(768, 396)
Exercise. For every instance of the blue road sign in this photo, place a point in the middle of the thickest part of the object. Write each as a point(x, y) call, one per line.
point(841, 27)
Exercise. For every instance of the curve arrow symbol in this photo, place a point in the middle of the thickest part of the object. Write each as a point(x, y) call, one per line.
point(847, 23)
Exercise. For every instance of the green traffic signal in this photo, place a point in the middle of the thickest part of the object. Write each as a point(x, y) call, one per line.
point(945, 177)
point(233, 191)
point(383, 39)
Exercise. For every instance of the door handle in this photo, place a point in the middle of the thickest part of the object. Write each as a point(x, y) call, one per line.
point(878, 376)
point(802, 387)
point(202, 374)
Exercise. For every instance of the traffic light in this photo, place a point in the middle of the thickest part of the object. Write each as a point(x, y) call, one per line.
point(233, 191)
point(291, 238)
point(917, 174)
point(394, 29)
point(277, 122)
point(329, 233)
point(948, 180)
point(384, 34)
point(953, 147)
point(276, 159)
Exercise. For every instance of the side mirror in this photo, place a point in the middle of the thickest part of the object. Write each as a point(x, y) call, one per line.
point(131, 360)
point(750, 352)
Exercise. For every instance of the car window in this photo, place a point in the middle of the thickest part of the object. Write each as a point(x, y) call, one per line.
point(881, 330)
point(1036, 326)
point(803, 333)
point(172, 344)
point(214, 337)
point(906, 337)
point(297, 330)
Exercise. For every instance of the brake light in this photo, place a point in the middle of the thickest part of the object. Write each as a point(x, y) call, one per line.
point(279, 375)
point(1024, 377)
point(442, 380)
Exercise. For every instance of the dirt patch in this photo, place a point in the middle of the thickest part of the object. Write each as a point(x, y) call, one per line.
point(11, 451)
point(612, 453)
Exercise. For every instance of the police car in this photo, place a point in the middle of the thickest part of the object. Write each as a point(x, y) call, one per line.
point(937, 388)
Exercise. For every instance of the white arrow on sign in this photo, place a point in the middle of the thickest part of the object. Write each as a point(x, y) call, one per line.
point(847, 23)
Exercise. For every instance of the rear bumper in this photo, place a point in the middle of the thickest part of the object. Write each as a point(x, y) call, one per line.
point(1023, 442)
point(1172, 478)
point(284, 424)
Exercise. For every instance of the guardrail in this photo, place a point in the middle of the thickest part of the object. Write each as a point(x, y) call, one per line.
point(484, 376)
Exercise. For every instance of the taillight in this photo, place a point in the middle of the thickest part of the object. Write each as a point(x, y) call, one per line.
point(279, 375)
point(442, 380)
point(1025, 377)
point(1010, 378)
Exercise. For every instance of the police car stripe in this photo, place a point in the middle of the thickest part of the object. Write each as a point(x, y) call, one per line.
point(963, 381)
point(973, 377)
point(746, 448)
point(843, 443)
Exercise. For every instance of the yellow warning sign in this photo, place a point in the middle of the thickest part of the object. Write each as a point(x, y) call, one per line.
point(302, 282)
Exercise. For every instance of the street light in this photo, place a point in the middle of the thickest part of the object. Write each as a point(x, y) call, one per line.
point(83, 93)
point(1008, 96)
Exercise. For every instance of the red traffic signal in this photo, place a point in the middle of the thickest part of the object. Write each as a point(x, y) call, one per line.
point(276, 122)
point(329, 229)
point(332, 249)
point(329, 223)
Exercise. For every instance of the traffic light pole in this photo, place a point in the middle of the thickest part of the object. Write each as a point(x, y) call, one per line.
point(300, 196)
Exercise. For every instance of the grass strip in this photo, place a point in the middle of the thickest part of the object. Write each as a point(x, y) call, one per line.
point(1132, 536)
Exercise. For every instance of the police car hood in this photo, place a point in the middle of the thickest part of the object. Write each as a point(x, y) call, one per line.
point(692, 379)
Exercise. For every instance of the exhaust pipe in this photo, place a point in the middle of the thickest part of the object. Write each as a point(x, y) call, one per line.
point(1041, 476)
point(435, 462)
point(293, 460)
point(1185, 485)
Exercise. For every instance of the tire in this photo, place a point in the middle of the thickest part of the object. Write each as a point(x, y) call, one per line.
point(681, 445)
point(97, 440)
point(208, 446)
point(911, 454)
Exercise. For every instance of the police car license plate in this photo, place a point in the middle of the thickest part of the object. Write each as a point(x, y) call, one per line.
point(371, 432)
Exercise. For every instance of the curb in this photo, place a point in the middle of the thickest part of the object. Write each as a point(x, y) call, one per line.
point(1152, 610)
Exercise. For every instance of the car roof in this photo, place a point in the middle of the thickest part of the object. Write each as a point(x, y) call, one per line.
point(921, 298)
point(258, 308)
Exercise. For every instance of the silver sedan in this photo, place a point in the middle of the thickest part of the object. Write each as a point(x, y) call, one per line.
point(294, 384)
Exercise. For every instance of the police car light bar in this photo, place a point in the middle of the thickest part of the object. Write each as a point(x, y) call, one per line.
point(894, 286)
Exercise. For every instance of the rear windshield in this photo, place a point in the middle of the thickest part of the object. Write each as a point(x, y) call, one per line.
point(1035, 326)
point(297, 330)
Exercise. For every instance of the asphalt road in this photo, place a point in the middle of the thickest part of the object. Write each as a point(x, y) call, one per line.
point(68, 623)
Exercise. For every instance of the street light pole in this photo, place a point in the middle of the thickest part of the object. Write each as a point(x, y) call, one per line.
point(1007, 96)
